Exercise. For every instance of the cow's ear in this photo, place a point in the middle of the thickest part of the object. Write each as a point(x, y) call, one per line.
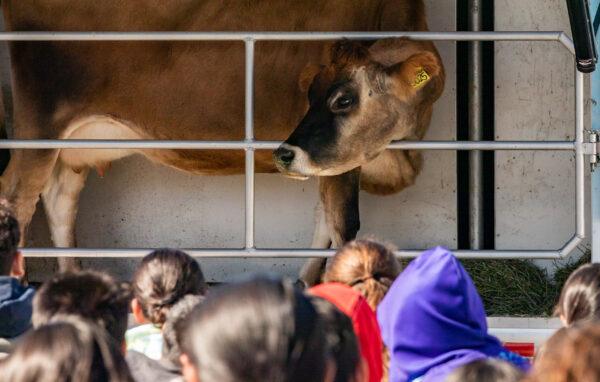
point(419, 77)
point(307, 76)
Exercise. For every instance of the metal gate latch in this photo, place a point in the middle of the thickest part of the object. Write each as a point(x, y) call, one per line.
point(591, 148)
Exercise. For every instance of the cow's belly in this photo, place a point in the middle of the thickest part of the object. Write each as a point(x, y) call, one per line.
point(205, 162)
point(96, 127)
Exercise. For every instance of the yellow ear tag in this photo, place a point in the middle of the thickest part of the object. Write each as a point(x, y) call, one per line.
point(421, 78)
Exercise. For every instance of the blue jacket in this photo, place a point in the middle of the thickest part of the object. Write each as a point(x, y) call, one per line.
point(15, 307)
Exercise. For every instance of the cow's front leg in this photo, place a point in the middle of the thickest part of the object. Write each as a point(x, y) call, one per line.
point(321, 236)
point(61, 197)
point(339, 195)
point(339, 200)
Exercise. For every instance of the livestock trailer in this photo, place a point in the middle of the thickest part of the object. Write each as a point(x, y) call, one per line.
point(506, 174)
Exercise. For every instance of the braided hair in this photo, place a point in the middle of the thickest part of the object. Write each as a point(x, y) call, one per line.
point(162, 279)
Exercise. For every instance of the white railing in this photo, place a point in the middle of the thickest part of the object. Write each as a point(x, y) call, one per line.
point(250, 144)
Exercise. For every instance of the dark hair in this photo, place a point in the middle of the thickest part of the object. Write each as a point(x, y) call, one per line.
point(580, 297)
point(91, 295)
point(163, 277)
point(176, 317)
point(365, 265)
point(68, 349)
point(258, 330)
point(341, 341)
point(9, 237)
point(571, 354)
point(488, 370)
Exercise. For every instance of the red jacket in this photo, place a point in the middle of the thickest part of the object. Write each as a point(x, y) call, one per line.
point(353, 304)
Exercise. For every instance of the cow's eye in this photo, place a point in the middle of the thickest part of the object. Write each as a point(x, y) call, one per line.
point(342, 103)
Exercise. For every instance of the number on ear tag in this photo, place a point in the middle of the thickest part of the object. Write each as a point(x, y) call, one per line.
point(421, 78)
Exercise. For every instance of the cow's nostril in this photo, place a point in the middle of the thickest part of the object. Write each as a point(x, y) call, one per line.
point(284, 156)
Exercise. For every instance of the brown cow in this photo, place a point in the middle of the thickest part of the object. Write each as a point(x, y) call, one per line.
point(360, 96)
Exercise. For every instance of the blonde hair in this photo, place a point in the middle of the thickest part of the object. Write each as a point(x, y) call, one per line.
point(571, 354)
point(487, 369)
point(367, 266)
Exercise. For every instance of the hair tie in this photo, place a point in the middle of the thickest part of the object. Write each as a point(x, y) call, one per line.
point(359, 280)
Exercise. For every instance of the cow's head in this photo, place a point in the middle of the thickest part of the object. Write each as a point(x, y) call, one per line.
point(358, 105)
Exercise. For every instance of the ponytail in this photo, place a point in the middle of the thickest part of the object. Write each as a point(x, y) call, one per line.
point(367, 266)
point(162, 279)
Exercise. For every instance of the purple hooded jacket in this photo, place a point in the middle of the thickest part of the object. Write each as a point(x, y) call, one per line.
point(432, 320)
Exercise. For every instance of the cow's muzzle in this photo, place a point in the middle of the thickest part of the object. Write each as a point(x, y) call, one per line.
point(289, 161)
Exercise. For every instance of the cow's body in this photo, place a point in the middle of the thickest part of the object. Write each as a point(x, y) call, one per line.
point(170, 90)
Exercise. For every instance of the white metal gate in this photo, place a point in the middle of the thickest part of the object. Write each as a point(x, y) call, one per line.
point(580, 147)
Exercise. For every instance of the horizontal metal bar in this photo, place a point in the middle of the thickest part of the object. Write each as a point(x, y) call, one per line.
point(270, 145)
point(483, 145)
point(287, 36)
point(273, 253)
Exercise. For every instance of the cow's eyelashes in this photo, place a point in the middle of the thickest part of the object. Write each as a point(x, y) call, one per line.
point(342, 103)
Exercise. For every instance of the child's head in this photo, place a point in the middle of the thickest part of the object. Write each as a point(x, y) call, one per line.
point(68, 349)
point(433, 319)
point(488, 370)
point(91, 295)
point(342, 344)
point(571, 354)
point(164, 277)
point(176, 318)
point(580, 297)
point(11, 260)
point(258, 330)
point(364, 322)
point(365, 265)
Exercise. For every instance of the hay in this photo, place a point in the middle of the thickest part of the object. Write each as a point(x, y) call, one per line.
point(512, 287)
point(518, 287)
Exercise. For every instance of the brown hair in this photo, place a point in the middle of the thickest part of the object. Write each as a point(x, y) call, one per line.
point(176, 318)
point(580, 297)
point(365, 265)
point(68, 349)
point(488, 370)
point(570, 355)
point(91, 295)
point(258, 330)
point(370, 268)
point(9, 237)
point(162, 279)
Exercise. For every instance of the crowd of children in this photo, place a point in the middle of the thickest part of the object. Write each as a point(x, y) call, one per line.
point(369, 321)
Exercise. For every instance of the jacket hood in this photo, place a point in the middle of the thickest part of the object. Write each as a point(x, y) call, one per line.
point(432, 319)
point(364, 321)
point(15, 307)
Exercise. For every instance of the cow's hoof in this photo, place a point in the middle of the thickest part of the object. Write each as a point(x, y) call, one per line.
point(301, 284)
